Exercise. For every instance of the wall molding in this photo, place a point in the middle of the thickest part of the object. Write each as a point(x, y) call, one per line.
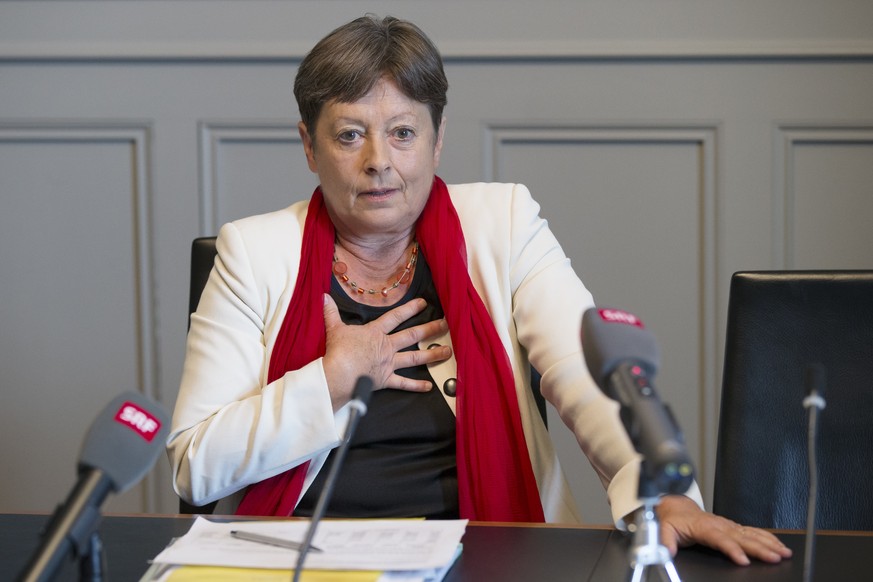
point(705, 137)
point(212, 134)
point(786, 138)
point(452, 51)
point(137, 135)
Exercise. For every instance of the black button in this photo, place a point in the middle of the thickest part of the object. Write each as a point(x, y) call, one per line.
point(450, 387)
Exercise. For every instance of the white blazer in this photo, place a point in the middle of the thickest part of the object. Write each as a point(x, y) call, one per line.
point(231, 428)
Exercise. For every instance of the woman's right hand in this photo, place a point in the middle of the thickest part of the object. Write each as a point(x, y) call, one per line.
point(372, 350)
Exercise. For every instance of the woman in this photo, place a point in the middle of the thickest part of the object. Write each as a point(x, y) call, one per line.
point(435, 292)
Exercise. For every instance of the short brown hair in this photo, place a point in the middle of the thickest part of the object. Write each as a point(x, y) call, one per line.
point(344, 66)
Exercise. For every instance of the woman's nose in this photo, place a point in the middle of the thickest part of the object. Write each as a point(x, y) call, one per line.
point(378, 158)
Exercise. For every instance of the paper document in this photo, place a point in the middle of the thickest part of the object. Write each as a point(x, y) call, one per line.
point(377, 545)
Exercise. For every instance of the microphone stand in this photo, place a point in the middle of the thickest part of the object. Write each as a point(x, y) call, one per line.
point(320, 507)
point(814, 402)
point(358, 406)
point(92, 564)
point(72, 531)
point(647, 550)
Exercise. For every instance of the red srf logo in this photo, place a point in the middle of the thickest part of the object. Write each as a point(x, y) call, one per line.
point(139, 420)
point(619, 316)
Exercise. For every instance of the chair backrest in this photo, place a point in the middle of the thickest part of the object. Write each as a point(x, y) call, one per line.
point(779, 323)
point(202, 258)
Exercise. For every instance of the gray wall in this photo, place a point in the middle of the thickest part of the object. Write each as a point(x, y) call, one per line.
point(670, 143)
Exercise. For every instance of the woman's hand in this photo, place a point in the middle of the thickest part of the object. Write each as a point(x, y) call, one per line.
point(683, 523)
point(372, 350)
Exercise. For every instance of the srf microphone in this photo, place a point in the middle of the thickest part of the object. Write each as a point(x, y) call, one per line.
point(122, 444)
point(623, 358)
point(358, 405)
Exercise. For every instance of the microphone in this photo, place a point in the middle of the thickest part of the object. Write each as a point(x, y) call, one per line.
point(358, 404)
point(623, 358)
point(121, 446)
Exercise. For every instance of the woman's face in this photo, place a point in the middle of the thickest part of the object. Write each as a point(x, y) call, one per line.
point(375, 159)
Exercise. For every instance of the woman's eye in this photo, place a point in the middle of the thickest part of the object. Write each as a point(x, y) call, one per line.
point(349, 135)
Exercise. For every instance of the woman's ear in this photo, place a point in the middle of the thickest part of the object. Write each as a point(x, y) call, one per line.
point(308, 146)
point(438, 144)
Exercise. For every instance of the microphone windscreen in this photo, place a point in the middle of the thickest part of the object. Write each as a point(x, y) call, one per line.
point(613, 336)
point(125, 439)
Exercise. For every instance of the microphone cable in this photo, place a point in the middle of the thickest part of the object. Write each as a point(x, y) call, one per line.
point(813, 402)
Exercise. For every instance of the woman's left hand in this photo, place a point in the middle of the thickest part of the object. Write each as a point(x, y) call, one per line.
point(683, 523)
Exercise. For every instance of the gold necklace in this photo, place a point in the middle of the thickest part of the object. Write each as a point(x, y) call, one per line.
point(340, 269)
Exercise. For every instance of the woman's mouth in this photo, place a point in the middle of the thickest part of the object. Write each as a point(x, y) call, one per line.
point(378, 194)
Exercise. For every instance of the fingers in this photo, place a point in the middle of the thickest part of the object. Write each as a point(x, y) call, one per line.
point(756, 543)
point(331, 313)
point(683, 524)
point(412, 335)
point(734, 551)
point(389, 321)
point(398, 382)
point(416, 357)
point(742, 543)
point(372, 349)
point(412, 358)
point(670, 539)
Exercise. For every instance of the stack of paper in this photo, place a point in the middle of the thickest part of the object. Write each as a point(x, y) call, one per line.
point(351, 550)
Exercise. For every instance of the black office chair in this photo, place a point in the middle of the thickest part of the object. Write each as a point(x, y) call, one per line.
point(202, 258)
point(779, 322)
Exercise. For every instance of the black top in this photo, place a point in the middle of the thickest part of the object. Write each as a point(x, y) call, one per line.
point(401, 459)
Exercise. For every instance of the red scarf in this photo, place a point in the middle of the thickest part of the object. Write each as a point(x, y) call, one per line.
point(495, 477)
